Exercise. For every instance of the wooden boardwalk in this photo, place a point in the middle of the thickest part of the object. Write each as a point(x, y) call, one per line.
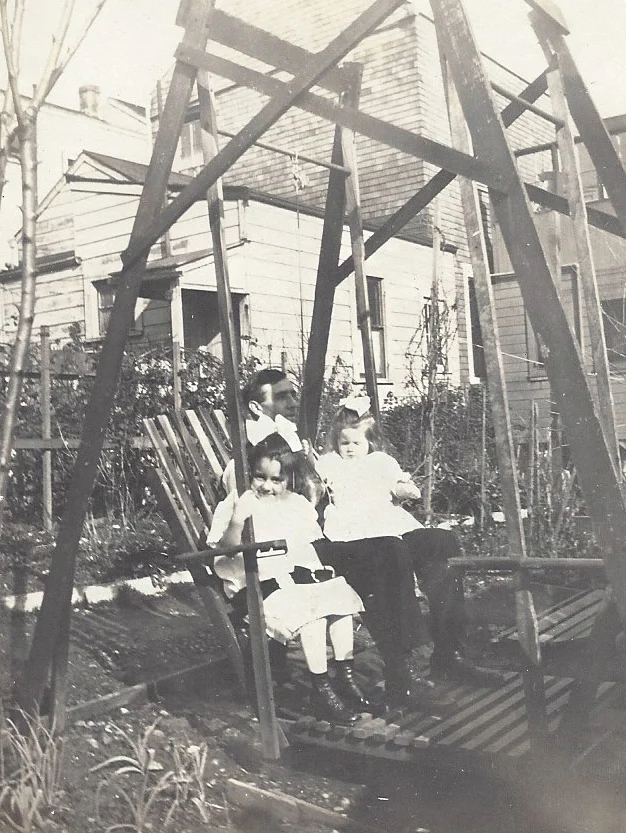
point(566, 620)
point(484, 723)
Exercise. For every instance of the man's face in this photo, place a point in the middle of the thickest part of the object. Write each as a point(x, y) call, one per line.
point(280, 398)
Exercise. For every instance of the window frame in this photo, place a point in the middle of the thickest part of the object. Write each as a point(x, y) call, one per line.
point(616, 361)
point(376, 305)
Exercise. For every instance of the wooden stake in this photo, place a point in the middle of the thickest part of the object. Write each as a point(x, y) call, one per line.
point(176, 380)
point(563, 361)
point(432, 361)
point(528, 632)
point(586, 267)
point(355, 224)
point(272, 737)
point(58, 591)
point(46, 427)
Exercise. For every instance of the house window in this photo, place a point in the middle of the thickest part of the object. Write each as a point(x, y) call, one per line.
point(569, 291)
point(190, 140)
point(614, 320)
point(106, 298)
point(377, 322)
point(476, 350)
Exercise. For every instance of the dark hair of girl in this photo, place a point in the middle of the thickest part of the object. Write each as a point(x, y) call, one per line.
point(345, 418)
point(273, 447)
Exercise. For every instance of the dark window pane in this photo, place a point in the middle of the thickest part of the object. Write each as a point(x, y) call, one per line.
point(614, 319)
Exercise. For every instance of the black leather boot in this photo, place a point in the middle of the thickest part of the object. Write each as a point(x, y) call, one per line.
point(326, 704)
point(453, 666)
point(404, 690)
point(348, 688)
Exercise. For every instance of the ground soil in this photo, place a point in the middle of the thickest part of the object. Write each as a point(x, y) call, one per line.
point(138, 639)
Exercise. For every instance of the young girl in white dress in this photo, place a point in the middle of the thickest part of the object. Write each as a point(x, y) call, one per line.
point(301, 597)
point(383, 546)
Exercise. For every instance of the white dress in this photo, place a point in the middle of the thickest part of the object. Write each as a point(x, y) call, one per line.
point(361, 493)
point(290, 607)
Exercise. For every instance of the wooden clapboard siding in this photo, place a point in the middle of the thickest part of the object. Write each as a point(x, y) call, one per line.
point(610, 260)
point(192, 231)
point(156, 322)
point(512, 324)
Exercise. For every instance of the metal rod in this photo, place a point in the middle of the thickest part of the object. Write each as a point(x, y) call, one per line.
point(538, 111)
point(284, 152)
point(279, 545)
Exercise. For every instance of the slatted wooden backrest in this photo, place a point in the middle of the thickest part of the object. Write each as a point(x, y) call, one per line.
point(192, 449)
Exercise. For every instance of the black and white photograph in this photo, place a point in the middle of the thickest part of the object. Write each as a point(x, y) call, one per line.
point(312, 416)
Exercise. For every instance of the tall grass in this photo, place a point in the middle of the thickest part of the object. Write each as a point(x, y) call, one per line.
point(31, 761)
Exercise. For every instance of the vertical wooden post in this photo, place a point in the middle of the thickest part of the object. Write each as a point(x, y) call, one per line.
point(176, 381)
point(271, 735)
point(432, 361)
point(528, 634)
point(483, 457)
point(563, 360)
point(58, 592)
point(532, 472)
point(325, 284)
point(46, 422)
point(355, 224)
point(586, 267)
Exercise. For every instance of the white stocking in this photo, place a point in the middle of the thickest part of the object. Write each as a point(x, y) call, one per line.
point(313, 640)
point(341, 634)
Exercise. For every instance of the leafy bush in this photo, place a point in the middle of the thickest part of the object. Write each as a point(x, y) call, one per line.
point(145, 389)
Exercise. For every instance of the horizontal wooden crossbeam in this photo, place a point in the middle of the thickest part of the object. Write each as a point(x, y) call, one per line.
point(437, 183)
point(388, 134)
point(284, 98)
point(278, 547)
point(538, 111)
point(595, 217)
point(508, 564)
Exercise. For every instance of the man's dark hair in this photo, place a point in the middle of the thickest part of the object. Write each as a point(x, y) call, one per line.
point(252, 392)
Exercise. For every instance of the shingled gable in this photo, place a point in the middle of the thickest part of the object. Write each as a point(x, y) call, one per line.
point(401, 83)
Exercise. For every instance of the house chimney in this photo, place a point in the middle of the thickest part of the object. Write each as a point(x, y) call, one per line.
point(89, 97)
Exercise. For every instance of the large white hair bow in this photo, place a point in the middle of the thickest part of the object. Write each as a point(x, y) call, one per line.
point(359, 404)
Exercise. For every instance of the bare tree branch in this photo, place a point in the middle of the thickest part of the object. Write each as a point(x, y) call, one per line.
point(19, 351)
point(16, 31)
point(58, 42)
point(61, 64)
point(9, 53)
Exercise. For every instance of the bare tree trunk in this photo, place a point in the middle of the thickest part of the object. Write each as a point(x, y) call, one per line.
point(20, 123)
point(19, 353)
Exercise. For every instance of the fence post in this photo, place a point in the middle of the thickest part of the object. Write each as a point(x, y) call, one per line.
point(176, 375)
point(46, 420)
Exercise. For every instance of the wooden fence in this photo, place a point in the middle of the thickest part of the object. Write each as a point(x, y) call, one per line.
point(53, 365)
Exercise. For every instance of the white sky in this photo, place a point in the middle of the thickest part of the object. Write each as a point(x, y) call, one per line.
point(133, 41)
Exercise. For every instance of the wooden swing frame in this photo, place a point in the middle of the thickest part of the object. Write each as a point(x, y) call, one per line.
point(493, 165)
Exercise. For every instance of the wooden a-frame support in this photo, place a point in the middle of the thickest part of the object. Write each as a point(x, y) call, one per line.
point(493, 165)
point(594, 463)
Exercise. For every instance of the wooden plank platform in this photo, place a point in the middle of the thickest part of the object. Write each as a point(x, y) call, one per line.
point(484, 723)
point(570, 619)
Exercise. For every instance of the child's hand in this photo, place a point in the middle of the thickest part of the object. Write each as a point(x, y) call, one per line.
point(407, 490)
point(244, 506)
